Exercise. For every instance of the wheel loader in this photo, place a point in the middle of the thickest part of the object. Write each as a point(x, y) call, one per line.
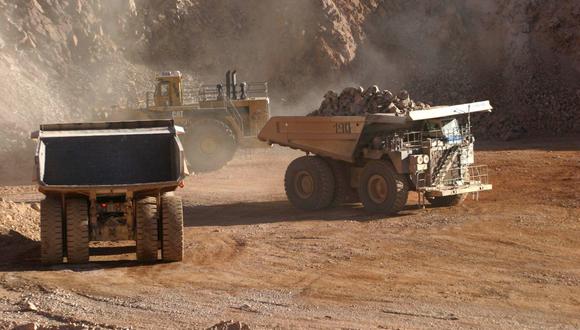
point(378, 158)
point(218, 119)
point(110, 181)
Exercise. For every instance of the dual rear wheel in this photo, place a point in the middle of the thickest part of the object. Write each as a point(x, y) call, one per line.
point(52, 234)
point(309, 183)
point(314, 183)
point(157, 225)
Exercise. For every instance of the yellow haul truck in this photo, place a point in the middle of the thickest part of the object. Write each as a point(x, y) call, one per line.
point(217, 119)
point(377, 159)
point(110, 181)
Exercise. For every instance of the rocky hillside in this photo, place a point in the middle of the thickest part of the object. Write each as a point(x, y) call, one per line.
point(522, 55)
point(61, 58)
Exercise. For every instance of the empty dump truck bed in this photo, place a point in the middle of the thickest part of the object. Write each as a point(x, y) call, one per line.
point(110, 182)
point(130, 155)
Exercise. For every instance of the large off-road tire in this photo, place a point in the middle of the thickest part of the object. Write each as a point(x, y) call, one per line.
point(343, 192)
point(172, 228)
point(309, 183)
point(381, 189)
point(453, 200)
point(209, 145)
point(77, 230)
point(403, 187)
point(447, 200)
point(51, 249)
point(147, 229)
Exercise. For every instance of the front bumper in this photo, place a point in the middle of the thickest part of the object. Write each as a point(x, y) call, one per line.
point(471, 187)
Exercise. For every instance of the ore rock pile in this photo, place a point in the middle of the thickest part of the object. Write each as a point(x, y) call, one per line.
point(354, 101)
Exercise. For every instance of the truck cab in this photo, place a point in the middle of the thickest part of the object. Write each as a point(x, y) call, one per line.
point(168, 89)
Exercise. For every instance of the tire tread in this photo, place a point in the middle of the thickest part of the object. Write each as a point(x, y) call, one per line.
point(172, 228)
point(321, 172)
point(147, 229)
point(77, 230)
point(198, 162)
point(51, 230)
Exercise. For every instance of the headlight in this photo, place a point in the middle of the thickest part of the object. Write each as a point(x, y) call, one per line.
point(426, 159)
point(419, 159)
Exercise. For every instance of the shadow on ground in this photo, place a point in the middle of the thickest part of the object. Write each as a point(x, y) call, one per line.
point(20, 253)
point(249, 213)
point(16, 247)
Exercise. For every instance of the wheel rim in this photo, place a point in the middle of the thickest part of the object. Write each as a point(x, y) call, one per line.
point(304, 184)
point(377, 189)
point(208, 146)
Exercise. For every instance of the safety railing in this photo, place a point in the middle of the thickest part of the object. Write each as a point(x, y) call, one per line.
point(416, 139)
point(253, 89)
point(472, 174)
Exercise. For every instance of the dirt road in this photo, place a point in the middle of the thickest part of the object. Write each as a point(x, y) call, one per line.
point(511, 260)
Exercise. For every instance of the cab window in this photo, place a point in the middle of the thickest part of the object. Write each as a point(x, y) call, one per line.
point(164, 89)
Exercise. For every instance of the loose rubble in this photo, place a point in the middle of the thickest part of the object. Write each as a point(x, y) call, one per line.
point(355, 101)
point(22, 218)
point(229, 325)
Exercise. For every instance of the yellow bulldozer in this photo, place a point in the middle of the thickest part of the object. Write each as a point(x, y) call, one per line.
point(218, 119)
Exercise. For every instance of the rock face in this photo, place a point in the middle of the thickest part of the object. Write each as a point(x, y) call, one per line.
point(522, 55)
point(59, 59)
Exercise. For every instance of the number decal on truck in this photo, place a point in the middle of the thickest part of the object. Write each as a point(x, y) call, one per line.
point(343, 128)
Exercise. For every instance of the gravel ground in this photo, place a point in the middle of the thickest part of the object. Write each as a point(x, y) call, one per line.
point(509, 260)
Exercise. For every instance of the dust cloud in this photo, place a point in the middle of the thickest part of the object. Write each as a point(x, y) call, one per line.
point(59, 60)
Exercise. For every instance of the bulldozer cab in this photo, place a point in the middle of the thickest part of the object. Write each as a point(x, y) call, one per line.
point(169, 89)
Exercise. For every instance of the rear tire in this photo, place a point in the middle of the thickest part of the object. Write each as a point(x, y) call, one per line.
point(209, 145)
point(77, 231)
point(309, 183)
point(172, 228)
point(147, 229)
point(382, 189)
point(443, 201)
point(343, 192)
point(51, 249)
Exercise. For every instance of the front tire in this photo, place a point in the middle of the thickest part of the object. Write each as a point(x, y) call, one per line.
point(309, 183)
point(77, 231)
point(381, 189)
point(172, 228)
point(147, 232)
point(209, 145)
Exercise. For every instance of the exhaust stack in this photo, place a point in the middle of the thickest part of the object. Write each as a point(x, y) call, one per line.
point(228, 84)
point(234, 83)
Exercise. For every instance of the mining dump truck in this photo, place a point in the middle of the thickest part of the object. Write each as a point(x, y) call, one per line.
point(217, 119)
point(378, 158)
point(110, 181)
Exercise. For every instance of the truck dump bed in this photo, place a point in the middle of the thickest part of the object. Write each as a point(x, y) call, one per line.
point(337, 137)
point(111, 155)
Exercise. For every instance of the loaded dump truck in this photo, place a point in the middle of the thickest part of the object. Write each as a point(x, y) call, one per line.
point(378, 158)
point(110, 181)
point(218, 119)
